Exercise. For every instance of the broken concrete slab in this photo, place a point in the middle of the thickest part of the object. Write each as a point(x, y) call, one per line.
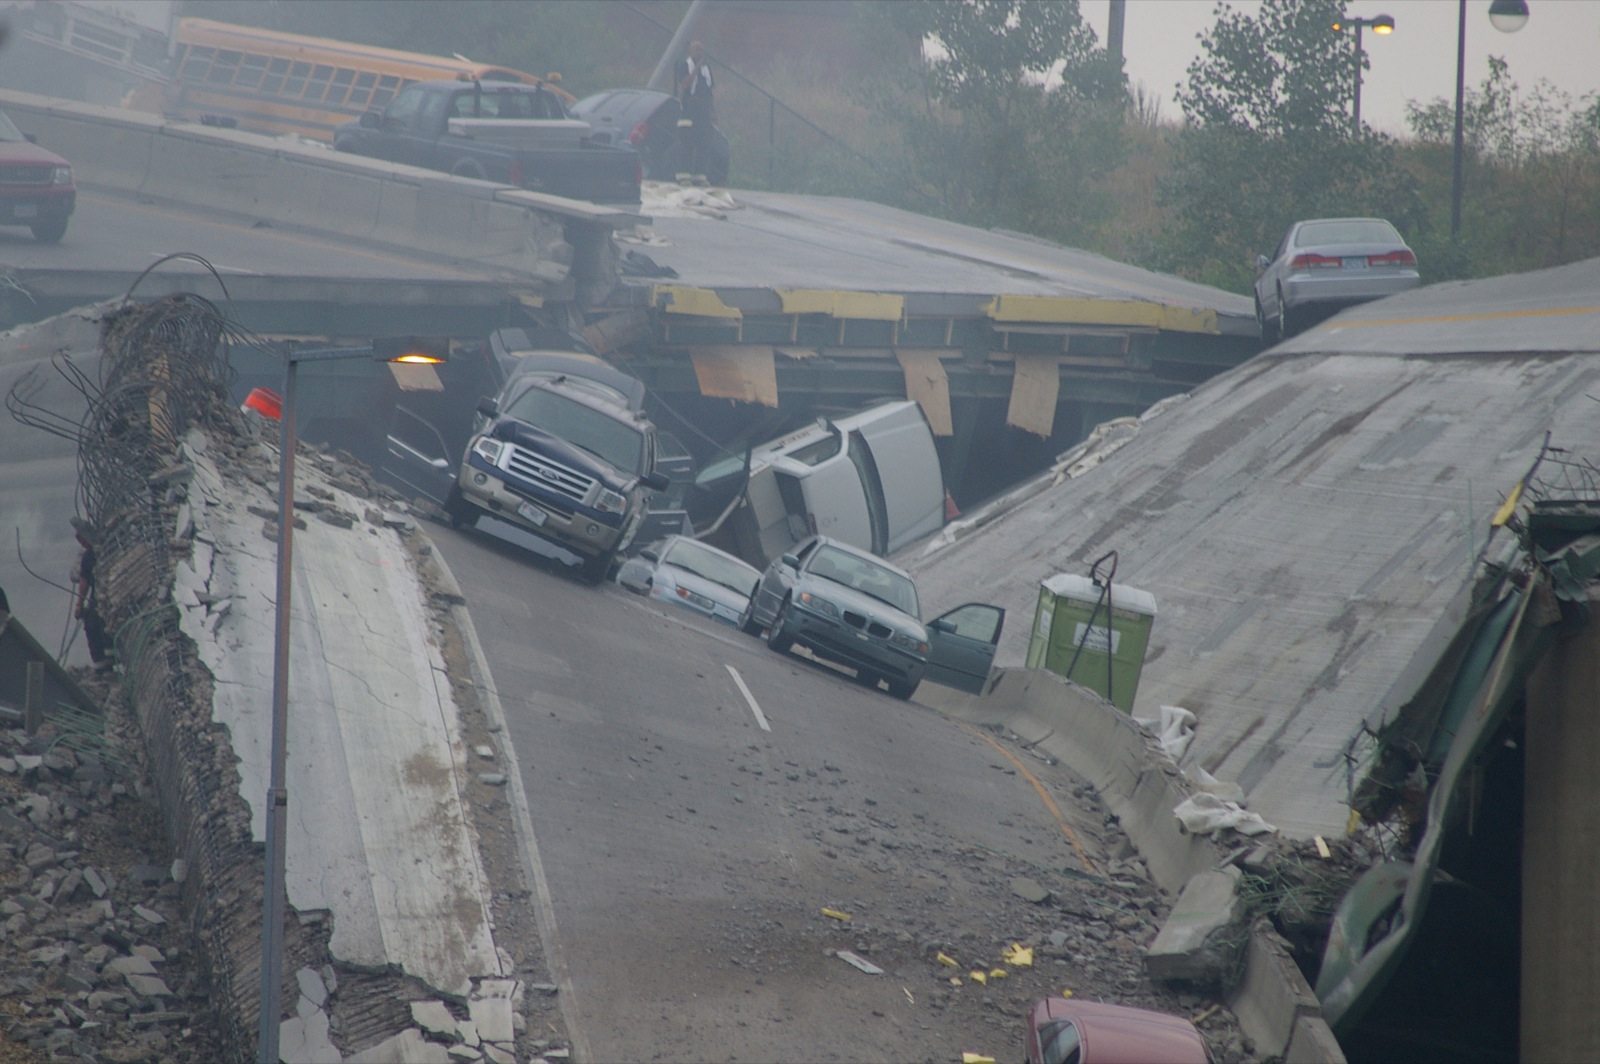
point(407, 1047)
point(311, 987)
point(433, 1017)
point(146, 985)
point(1030, 890)
point(1202, 941)
point(493, 1018)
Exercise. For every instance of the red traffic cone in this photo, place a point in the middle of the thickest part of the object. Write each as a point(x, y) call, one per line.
point(951, 510)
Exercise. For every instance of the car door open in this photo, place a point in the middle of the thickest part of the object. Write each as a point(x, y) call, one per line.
point(961, 645)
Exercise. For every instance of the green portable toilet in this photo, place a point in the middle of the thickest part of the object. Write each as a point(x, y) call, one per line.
point(1073, 613)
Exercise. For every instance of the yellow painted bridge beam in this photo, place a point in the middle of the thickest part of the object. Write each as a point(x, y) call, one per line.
point(868, 306)
point(1066, 310)
point(698, 302)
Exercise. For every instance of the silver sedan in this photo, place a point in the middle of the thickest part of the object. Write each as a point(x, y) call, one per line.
point(1326, 264)
point(691, 574)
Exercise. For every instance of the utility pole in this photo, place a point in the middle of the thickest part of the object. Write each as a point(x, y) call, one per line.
point(1119, 15)
point(660, 78)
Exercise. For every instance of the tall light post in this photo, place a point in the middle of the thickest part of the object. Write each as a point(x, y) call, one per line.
point(1382, 25)
point(1507, 16)
point(412, 349)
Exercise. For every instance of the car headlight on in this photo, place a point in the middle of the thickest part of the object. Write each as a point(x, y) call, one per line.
point(489, 449)
point(61, 175)
point(610, 502)
point(909, 642)
point(819, 604)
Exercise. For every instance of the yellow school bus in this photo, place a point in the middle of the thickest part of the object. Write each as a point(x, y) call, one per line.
point(278, 83)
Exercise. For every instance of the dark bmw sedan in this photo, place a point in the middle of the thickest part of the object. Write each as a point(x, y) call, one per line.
point(851, 607)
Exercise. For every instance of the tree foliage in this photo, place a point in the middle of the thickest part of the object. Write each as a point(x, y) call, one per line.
point(1015, 108)
point(1531, 174)
point(1266, 141)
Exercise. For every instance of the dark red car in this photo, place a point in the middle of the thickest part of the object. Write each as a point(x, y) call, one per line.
point(36, 188)
point(1068, 1031)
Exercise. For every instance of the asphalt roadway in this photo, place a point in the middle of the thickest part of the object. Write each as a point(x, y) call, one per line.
point(698, 800)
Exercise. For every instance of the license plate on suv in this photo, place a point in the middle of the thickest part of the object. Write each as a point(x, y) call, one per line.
point(531, 513)
point(25, 210)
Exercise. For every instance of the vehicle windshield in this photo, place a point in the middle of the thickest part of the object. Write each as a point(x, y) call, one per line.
point(715, 566)
point(867, 577)
point(8, 130)
point(1059, 1043)
point(1347, 231)
point(610, 440)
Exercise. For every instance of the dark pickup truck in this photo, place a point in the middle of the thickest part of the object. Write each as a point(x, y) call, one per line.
point(496, 131)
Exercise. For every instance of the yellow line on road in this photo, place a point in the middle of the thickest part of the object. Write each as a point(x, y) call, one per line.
point(1049, 802)
point(1546, 312)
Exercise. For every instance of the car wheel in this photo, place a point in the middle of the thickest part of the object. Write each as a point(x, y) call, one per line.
point(1261, 320)
point(595, 568)
point(779, 638)
point(747, 619)
point(50, 230)
point(1288, 324)
point(462, 513)
point(902, 689)
point(867, 678)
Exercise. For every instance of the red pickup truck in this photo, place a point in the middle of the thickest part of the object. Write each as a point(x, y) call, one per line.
point(36, 188)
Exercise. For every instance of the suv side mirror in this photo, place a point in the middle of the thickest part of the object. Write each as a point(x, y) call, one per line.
point(655, 481)
point(940, 624)
point(488, 408)
point(790, 560)
point(1262, 262)
point(370, 119)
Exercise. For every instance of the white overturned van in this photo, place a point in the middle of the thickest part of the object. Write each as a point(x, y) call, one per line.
point(871, 479)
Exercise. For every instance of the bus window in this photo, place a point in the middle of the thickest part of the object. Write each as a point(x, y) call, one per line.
point(272, 84)
point(387, 85)
point(195, 62)
point(363, 90)
point(340, 87)
point(319, 83)
point(223, 68)
point(295, 83)
point(250, 72)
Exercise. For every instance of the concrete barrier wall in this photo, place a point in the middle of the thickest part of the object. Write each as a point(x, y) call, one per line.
point(1141, 785)
point(1135, 778)
point(315, 188)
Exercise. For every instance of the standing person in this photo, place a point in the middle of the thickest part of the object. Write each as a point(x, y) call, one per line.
point(694, 128)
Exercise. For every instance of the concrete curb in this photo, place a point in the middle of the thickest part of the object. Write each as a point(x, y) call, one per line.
point(1141, 785)
point(527, 844)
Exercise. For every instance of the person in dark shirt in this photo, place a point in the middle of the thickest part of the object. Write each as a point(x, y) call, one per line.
point(694, 93)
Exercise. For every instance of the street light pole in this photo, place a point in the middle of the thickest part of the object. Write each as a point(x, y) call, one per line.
point(1507, 16)
point(1382, 25)
point(275, 897)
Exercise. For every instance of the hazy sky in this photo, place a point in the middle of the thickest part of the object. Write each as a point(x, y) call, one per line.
point(1561, 42)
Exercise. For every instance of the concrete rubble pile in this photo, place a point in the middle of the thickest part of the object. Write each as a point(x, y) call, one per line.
point(155, 955)
point(95, 958)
